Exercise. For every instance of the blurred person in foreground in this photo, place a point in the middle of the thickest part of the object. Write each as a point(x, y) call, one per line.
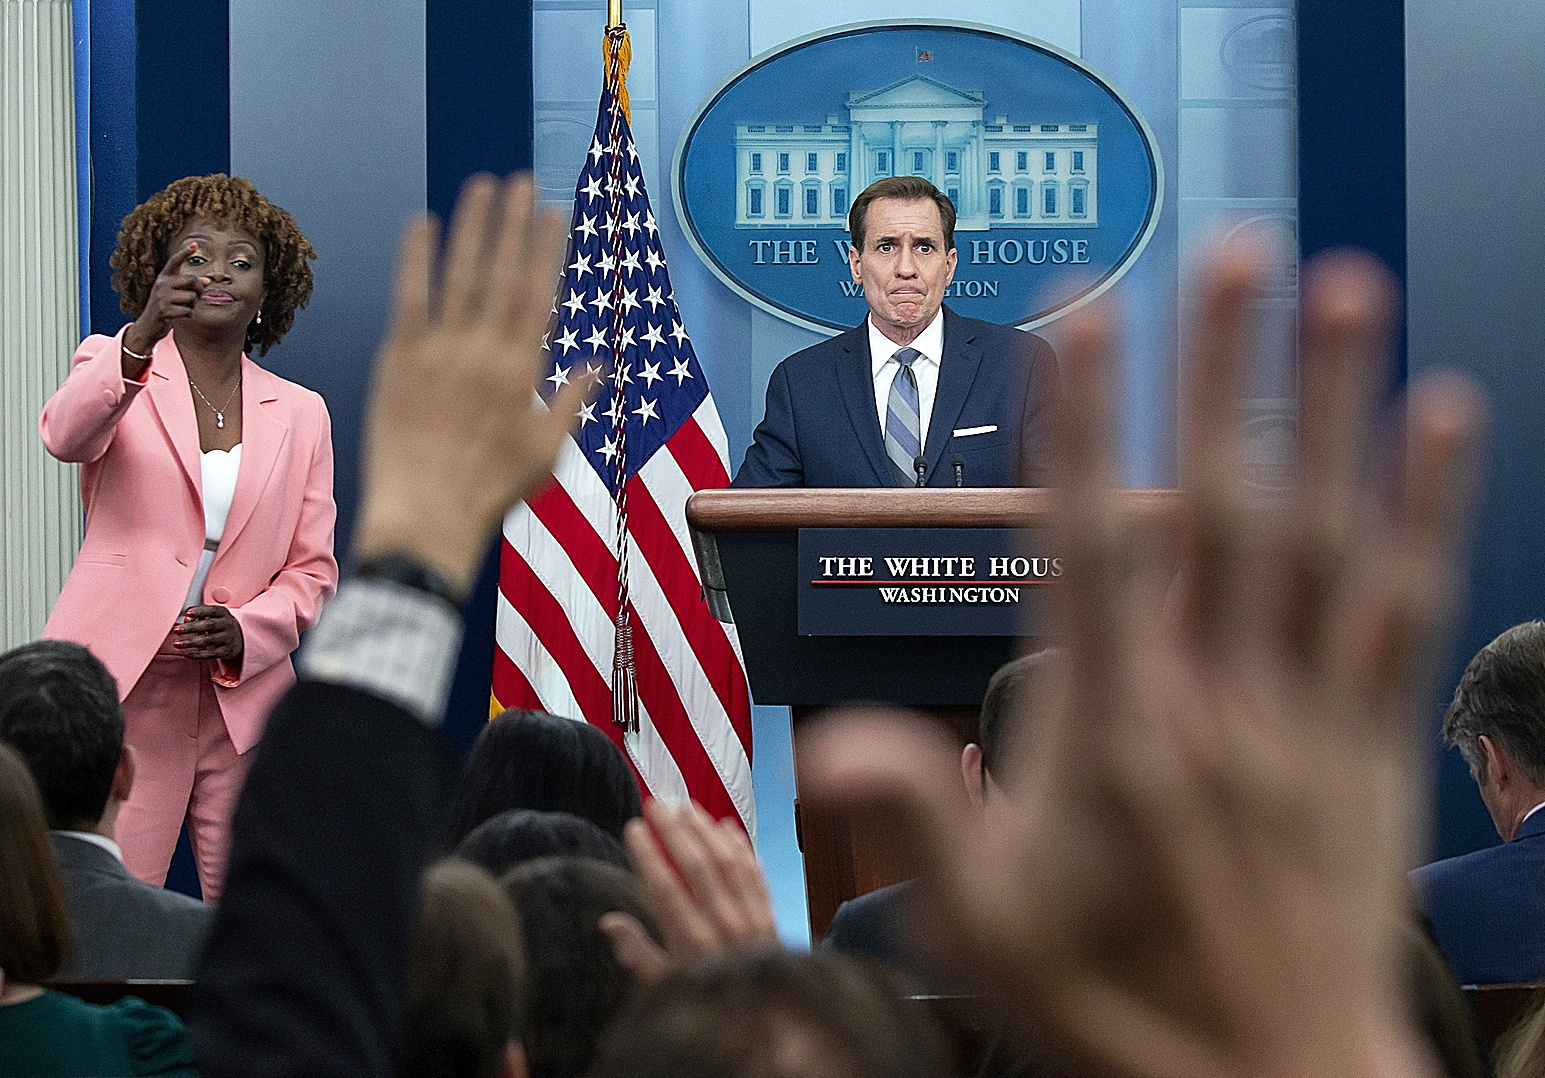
point(466, 979)
point(772, 1014)
point(47, 1034)
point(1488, 907)
point(533, 760)
point(59, 709)
point(1206, 875)
point(1205, 882)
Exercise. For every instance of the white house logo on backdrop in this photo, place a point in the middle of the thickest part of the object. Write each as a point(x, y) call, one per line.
point(999, 171)
point(1055, 176)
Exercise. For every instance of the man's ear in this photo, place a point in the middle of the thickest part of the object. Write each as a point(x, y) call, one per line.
point(123, 775)
point(971, 774)
point(514, 1060)
point(1499, 762)
point(853, 257)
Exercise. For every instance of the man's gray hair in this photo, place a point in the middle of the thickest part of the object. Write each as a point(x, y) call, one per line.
point(1502, 696)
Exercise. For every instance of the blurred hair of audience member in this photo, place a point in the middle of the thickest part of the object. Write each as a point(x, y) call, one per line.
point(772, 1014)
point(1520, 1052)
point(882, 925)
point(533, 760)
point(1438, 1006)
point(705, 886)
point(59, 709)
point(1488, 907)
point(575, 984)
point(43, 1032)
point(1205, 877)
point(501, 842)
point(466, 979)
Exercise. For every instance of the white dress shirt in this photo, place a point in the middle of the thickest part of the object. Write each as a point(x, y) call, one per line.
point(883, 365)
point(218, 468)
point(96, 840)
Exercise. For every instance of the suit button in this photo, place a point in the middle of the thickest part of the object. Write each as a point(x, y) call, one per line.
point(109, 398)
point(221, 595)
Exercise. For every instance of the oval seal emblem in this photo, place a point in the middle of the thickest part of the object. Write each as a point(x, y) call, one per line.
point(1055, 175)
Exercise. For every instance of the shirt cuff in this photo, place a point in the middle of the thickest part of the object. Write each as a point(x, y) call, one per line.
point(388, 640)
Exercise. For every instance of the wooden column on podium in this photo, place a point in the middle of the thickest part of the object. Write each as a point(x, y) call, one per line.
point(747, 547)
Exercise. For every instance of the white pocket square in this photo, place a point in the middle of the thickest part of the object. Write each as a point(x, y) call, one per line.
point(966, 432)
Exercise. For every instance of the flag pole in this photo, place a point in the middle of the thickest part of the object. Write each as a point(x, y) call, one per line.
point(613, 13)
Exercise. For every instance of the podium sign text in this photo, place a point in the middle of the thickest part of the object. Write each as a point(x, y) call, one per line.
point(921, 581)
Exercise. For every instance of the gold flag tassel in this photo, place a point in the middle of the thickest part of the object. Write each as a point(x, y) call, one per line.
point(619, 53)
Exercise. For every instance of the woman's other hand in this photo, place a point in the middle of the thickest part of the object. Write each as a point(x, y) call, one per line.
point(209, 632)
point(172, 296)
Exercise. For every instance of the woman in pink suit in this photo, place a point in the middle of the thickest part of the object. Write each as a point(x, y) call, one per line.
point(208, 487)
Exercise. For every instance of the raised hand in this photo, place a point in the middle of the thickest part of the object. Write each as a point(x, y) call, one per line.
point(1203, 872)
point(714, 898)
point(172, 296)
point(209, 632)
point(457, 433)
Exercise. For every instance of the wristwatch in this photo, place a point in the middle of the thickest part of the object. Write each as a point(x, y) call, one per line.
point(408, 571)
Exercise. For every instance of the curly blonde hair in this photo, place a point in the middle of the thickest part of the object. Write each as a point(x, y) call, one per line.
point(233, 202)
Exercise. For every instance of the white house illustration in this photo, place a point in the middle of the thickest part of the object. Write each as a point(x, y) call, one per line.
point(998, 173)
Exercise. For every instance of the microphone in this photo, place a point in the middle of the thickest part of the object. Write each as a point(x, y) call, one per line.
point(920, 465)
point(958, 462)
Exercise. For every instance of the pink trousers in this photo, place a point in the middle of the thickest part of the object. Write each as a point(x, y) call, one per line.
point(186, 770)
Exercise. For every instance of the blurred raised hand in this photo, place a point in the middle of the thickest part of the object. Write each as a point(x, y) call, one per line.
point(456, 431)
point(706, 887)
point(1203, 872)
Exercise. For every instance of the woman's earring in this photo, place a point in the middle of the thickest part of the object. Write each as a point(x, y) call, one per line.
point(258, 321)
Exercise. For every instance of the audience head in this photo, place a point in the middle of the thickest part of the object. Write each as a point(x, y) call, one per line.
point(533, 760)
point(1497, 721)
point(59, 709)
point(576, 986)
point(1005, 721)
point(772, 1014)
point(466, 979)
point(34, 926)
point(510, 838)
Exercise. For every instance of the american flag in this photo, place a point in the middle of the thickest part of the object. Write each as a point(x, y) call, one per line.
point(649, 439)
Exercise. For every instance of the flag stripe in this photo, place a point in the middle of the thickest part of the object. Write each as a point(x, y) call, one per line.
point(682, 590)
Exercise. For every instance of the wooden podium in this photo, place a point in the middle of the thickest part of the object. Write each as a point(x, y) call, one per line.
point(747, 550)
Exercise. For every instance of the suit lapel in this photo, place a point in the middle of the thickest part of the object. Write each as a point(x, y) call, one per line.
point(855, 380)
point(172, 400)
point(262, 437)
point(957, 371)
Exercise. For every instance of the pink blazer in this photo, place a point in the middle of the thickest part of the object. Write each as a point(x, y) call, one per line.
point(141, 484)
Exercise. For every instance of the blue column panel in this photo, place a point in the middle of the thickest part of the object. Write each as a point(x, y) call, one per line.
point(327, 119)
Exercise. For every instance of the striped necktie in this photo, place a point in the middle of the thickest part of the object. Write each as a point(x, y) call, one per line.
point(903, 422)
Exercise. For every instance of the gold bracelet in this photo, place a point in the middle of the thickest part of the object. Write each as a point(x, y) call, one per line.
point(135, 355)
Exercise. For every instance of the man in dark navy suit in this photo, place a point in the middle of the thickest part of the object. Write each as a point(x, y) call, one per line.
point(1488, 907)
point(914, 380)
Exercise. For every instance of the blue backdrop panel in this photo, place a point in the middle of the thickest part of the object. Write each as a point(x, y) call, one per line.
point(478, 111)
point(1477, 272)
